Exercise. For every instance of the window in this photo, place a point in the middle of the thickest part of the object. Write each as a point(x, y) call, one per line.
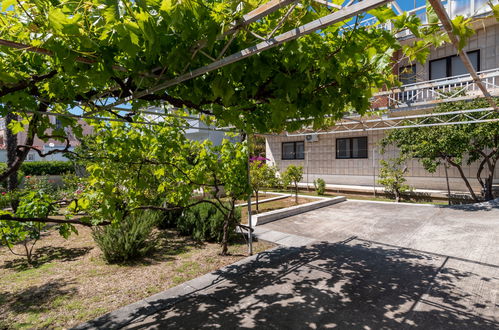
point(293, 150)
point(351, 148)
point(31, 157)
point(452, 65)
point(407, 74)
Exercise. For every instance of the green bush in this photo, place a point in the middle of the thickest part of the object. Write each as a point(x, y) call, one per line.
point(320, 186)
point(168, 219)
point(47, 168)
point(127, 239)
point(20, 176)
point(204, 222)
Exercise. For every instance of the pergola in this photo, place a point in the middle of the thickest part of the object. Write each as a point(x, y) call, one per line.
point(337, 14)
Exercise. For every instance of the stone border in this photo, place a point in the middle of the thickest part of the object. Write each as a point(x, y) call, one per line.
point(260, 219)
point(253, 202)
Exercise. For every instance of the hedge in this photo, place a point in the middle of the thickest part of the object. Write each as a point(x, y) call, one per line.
point(47, 168)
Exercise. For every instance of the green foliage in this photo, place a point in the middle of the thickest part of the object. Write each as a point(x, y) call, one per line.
point(39, 183)
point(47, 168)
point(127, 239)
point(456, 145)
point(391, 176)
point(169, 219)
point(35, 204)
point(262, 176)
point(205, 222)
point(293, 175)
point(320, 186)
point(299, 79)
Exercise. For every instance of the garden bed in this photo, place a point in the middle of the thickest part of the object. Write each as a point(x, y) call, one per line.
point(71, 282)
point(274, 205)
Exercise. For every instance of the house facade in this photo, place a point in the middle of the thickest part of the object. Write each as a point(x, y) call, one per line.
point(43, 146)
point(349, 154)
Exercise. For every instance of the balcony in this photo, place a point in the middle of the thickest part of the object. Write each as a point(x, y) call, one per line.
point(428, 93)
point(466, 8)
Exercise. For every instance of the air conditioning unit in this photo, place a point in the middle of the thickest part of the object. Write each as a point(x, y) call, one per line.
point(312, 138)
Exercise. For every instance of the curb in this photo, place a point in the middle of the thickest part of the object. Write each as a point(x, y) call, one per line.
point(260, 219)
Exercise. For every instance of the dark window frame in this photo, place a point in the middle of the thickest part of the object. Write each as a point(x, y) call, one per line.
point(448, 64)
point(294, 150)
point(350, 145)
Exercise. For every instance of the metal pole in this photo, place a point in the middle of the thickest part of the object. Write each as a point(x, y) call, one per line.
point(250, 227)
point(374, 174)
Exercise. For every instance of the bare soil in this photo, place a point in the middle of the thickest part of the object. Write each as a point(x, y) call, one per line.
point(71, 283)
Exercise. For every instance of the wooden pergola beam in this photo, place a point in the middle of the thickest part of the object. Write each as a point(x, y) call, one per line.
point(446, 22)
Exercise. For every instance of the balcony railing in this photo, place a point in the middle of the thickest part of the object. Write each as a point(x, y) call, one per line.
point(466, 8)
point(427, 93)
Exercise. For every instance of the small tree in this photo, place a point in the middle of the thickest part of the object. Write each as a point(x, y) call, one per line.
point(34, 205)
point(456, 145)
point(261, 176)
point(391, 176)
point(293, 175)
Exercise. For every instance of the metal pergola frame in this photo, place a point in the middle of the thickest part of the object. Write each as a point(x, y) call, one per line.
point(338, 14)
point(349, 125)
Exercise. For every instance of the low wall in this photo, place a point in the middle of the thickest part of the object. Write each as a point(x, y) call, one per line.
point(266, 217)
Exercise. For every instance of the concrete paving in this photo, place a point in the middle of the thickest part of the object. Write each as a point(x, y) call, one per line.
point(353, 265)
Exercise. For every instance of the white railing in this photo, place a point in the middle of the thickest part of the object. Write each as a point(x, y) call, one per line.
point(466, 8)
point(430, 92)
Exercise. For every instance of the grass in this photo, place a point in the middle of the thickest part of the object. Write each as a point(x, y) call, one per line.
point(71, 283)
point(370, 197)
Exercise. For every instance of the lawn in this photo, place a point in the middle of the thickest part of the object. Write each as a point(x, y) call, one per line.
point(370, 197)
point(71, 282)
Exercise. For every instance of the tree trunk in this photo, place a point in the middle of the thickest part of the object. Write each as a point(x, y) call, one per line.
point(489, 182)
point(11, 151)
point(225, 237)
point(459, 168)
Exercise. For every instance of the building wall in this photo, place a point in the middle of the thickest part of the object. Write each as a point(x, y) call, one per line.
point(320, 162)
point(486, 39)
point(320, 157)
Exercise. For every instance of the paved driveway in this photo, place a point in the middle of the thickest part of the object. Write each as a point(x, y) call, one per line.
point(464, 232)
point(371, 266)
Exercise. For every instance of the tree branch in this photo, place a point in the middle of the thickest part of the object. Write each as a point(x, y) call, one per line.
point(52, 220)
point(26, 83)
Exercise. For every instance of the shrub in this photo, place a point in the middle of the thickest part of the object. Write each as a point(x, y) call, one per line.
point(127, 239)
point(204, 222)
point(168, 219)
point(10, 199)
point(391, 176)
point(47, 168)
point(320, 186)
point(39, 183)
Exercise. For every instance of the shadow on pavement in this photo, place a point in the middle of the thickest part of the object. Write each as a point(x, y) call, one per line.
point(348, 285)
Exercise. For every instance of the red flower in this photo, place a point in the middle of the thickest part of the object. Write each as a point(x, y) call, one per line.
point(3, 193)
